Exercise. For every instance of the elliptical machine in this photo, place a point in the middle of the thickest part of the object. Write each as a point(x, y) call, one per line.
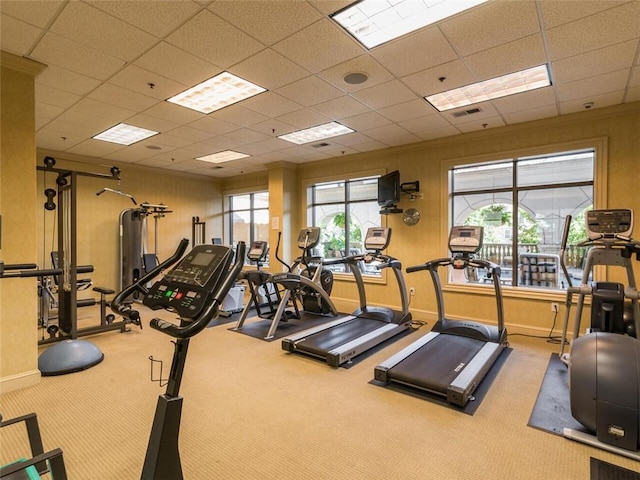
point(305, 282)
point(604, 365)
point(195, 289)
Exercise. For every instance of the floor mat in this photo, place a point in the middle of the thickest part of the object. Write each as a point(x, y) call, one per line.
point(552, 411)
point(606, 471)
point(472, 405)
point(258, 328)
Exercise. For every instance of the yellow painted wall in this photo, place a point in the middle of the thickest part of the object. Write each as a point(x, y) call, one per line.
point(18, 296)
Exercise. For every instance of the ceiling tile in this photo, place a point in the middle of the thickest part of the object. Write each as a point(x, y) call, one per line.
point(95, 29)
point(173, 113)
point(340, 107)
point(108, 111)
point(304, 119)
point(159, 21)
point(558, 12)
point(525, 100)
point(269, 69)
point(52, 96)
point(439, 79)
point(213, 125)
point(122, 97)
point(216, 41)
point(485, 124)
point(152, 123)
point(271, 104)
point(39, 13)
point(174, 63)
point(400, 57)
point(16, 36)
point(95, 148)
point(490, 25)
point(385, 94)
point(52, 140)
point(147, 83)
point(193, 134)
point(309, 91)
point(66, 80)
point(599, 101)
point(596, 62)
point(45, 113)
point(420, 124)
point(362, 64)
point(319, 46)
point(530, 114)
point(407, 111)
point(64, 53)
point(238, 115)
point(270, 21)
point(510, 57)
point(365, 121)
point(570, 39)
point(602, 84)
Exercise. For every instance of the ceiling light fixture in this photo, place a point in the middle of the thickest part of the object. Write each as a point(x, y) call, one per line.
point(373, 22)
point(320, 132)
point(218, 92)
point(124, 134)
point(522, 81)
point(221, 157)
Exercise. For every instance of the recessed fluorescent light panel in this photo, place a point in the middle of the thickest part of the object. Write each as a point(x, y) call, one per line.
point(124, 134)
point(523, 81)
point(328, 130)
point(374, 22)
point(221, 157)
point(218, 92)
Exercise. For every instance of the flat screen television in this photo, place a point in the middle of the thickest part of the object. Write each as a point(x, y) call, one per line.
point(389, 189)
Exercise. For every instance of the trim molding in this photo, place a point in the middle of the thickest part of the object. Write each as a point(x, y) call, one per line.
point(21, 380)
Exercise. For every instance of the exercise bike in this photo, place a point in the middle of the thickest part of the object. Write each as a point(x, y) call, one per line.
point(194, 289)
point(604, 365)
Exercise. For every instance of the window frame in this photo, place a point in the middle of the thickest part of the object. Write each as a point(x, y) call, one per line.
point(311, 220)
point(229, 212)
point(598, 145)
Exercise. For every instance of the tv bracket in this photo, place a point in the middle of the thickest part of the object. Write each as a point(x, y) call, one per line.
point(411, 189)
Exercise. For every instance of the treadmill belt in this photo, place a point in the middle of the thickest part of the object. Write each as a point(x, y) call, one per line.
point(433, 366)
point(323, 342)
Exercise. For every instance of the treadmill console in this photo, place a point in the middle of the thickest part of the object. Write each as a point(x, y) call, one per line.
point(309, 238)
point(465, 239)
point(188, 286)
point(608, 223)
point(258, 251)
point(377, 238)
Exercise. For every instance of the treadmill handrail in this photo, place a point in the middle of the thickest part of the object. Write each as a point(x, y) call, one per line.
point(194, 327)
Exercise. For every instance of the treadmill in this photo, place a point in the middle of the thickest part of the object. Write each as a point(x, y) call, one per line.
point(341, 340)
point(453, 358)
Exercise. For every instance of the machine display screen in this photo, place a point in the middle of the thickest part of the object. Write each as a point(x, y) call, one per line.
point(203, 259)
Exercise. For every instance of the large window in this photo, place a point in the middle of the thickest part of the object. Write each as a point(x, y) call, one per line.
point(522, 204)
point(344, 210)
point(248, 217)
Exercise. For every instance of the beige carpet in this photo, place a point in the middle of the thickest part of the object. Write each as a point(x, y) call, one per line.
point(253, 411)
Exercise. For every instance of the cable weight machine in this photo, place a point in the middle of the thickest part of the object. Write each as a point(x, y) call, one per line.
point(70, 354)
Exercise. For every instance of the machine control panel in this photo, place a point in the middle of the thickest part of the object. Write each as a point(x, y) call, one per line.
point(465, 239)
point(258, 251)
point(377, 238)
point(609, 222)
point(188, 286)
point(309, 237)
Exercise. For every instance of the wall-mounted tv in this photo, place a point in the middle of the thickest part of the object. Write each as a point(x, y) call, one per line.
point(389, 189)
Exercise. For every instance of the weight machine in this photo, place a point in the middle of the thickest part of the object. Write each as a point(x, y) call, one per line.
point(71, 355)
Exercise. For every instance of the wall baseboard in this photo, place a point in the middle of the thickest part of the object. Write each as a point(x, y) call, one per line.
point(349, 305)
point(22, 380)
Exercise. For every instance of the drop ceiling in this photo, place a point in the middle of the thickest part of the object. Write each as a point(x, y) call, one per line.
point(118, 61)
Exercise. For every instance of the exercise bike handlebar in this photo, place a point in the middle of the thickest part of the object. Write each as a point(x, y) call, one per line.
point(121, 308)
point(197, 325)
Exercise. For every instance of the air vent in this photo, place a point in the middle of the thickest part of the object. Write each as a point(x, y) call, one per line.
point(217, 167)
point(464, 113)
point(320, 145)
